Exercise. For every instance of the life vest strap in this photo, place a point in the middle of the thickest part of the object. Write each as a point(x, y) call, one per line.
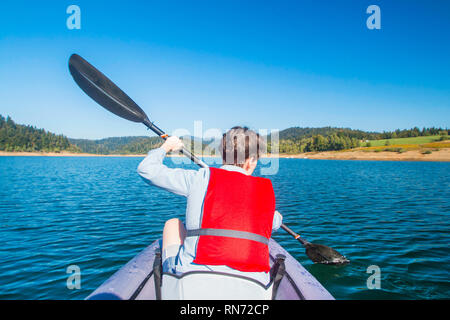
point(227, 233)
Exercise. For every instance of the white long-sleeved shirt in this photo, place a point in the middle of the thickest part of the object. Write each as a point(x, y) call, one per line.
point(192, 184)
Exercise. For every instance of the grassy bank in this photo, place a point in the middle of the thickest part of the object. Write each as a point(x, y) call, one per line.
point(429, 148)
point(408, 144)
point(442, 155)
point(405, 141)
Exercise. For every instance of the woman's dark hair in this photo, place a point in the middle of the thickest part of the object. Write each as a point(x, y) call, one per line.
point(240, 144)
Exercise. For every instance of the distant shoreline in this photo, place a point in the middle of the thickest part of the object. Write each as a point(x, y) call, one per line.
point(412, 155)
point(63, 154)
point(442, 155)
point(74, 154)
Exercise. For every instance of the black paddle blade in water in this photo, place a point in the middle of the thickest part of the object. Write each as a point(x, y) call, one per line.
point(97, 86)
point(319, 253)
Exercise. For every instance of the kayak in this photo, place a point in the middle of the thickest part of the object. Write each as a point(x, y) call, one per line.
point(136, 281)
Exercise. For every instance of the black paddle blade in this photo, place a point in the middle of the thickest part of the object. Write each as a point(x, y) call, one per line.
point(319, 253)
point(97, 86)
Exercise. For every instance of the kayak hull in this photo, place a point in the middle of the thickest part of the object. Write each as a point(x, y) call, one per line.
point(135, 281)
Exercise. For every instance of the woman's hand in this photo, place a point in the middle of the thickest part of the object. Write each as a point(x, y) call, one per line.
point(276, 211)
point(172, 143)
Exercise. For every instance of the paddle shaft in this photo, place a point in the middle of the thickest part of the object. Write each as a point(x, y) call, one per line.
point(164, 136)
point(294, 234)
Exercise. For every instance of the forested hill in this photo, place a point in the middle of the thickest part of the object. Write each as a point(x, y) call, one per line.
point(16, 138)
point(296, 133)
point(118, 145)
point(24, 138)
point(298, 140)
point(124, 145)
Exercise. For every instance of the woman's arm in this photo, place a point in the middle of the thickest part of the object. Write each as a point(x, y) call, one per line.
point(154, 172)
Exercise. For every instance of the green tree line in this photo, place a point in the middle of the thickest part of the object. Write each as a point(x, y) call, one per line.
point(298, 140)
point(118, 145)
point(15, 137)
point(21, 138)
point(317, 143)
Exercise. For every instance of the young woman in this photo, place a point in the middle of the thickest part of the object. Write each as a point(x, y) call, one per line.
point(230, 215)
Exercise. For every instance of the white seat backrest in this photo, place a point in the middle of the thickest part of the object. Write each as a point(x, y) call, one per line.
point(212, 286)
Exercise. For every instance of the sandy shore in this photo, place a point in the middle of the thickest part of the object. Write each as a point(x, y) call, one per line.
point(412, 155)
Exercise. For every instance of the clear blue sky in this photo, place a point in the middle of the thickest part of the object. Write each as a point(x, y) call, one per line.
point(265, 64)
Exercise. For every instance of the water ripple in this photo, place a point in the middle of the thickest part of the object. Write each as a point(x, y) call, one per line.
point(97, 213)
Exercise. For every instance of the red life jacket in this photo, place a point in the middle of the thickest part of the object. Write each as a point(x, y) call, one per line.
point(236, 222)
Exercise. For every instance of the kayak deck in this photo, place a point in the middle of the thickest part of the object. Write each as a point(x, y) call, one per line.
point(134, 281)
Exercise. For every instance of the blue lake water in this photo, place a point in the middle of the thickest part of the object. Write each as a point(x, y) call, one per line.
point(97, 213)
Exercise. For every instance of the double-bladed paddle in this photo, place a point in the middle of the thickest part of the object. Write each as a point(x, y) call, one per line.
point(97, 86)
